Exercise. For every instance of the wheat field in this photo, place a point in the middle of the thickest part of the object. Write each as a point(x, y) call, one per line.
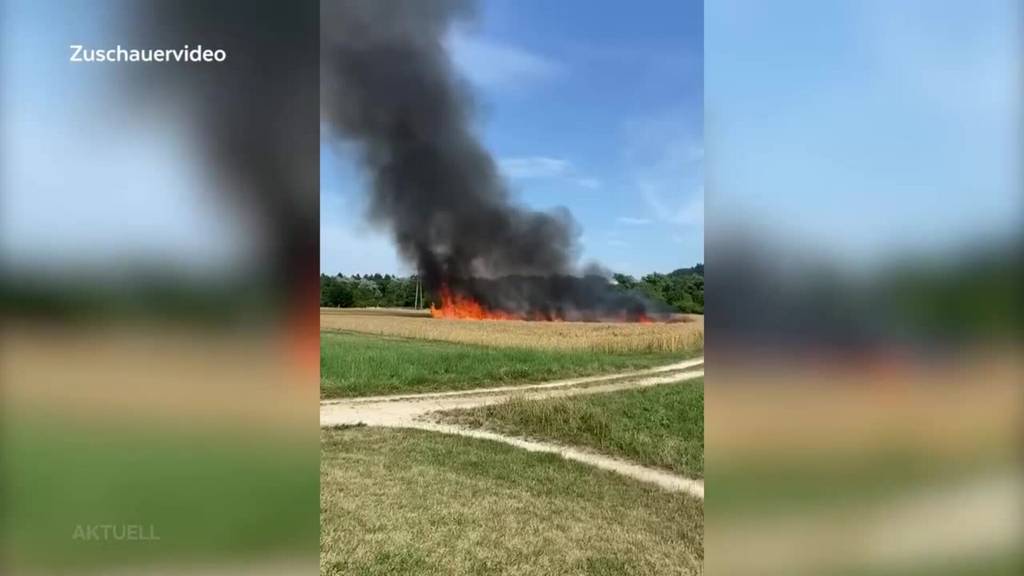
point(684, 334)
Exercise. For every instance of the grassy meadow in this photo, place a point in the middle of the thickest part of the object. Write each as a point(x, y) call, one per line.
point(661, 426)
point(413, 502)
point(682, 336)
point(208, 499)
point(366, 365)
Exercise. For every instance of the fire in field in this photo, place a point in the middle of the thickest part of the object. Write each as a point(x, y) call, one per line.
point(506, 305)
point(390, 87)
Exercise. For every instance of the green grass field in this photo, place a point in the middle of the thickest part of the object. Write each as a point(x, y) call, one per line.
point(410, 502)
point(207, 495)
point(364, 365)
point(661, 426)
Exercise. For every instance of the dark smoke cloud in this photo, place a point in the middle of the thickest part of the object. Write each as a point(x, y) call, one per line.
point(388, 84)
point(254, 117)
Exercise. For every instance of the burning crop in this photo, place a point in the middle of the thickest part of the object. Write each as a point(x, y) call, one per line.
point(463, 308)
point(544, 298)
point(455, 306)
point(389, 86)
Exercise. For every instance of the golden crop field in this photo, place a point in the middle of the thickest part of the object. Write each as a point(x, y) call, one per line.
point(685, 334)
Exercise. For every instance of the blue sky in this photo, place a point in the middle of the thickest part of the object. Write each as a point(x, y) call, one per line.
point(869, 127)
point(589, 105)
point(875, 128)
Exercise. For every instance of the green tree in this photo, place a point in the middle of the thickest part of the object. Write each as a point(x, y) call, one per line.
point(335, 292)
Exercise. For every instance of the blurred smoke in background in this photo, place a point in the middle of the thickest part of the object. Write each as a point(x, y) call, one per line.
point(158, 248)
point(864, 319)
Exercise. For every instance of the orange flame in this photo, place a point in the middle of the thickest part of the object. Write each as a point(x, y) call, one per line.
point(455, 306)
point(465, 308)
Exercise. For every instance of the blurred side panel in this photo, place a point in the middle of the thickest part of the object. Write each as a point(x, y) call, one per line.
point(158, 244)
point(864, 313)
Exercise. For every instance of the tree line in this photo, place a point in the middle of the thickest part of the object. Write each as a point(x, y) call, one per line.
point(682, 289)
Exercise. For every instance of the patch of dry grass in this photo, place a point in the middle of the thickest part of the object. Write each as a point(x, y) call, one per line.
point(685, 334)
point(413, 502)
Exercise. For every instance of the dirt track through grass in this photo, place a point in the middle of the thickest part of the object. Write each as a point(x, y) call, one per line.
point(413, 412)
point(662, 426)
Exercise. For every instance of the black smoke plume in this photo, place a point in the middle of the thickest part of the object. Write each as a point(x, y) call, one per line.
point(388, 84)
point(253, 117)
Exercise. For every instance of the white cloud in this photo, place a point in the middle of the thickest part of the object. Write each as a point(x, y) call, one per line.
point(667, 168)
point(631, 221)
point(690, 212)
point(491, 64)
point(534, 167)
point(546, 168)
point(588, 183)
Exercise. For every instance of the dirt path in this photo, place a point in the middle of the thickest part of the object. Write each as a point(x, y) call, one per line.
point(413, 410)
